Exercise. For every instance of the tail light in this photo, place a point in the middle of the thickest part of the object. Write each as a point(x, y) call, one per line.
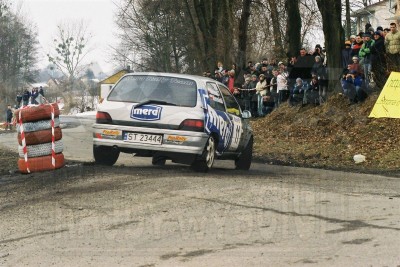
point(103, 117)
point(192, 125)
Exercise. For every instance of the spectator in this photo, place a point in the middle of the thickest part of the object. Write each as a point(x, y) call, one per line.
point(9, 116)
point(297, 92)
point(319, 70)
point(217, 76)
point(247, 69)
point(302, 66)
point(365, 56)
point(238, 95)
point(34, 95)
point(18, 99)
point(385, 32)
point(346, 54)
point(236, 69)
point(268, 102)
point(246, 94)
point(231, 80)
point(356, 66)
point(220, 67)
point(281, 67)
point(378, 61)
point(356, 46)
point(318, 52)
point(359, 84)
point(273, 86)
point(261, 91)
point(264, 70)
point(352, 40)
point(392, 45)
point(311, 93)
point(25, 97)
point(349, 89)
point(252, 95)
point(282, 85)
point(225, 77)
point(253, 70)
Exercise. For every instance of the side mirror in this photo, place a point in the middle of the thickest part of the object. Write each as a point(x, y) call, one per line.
point(246, 114)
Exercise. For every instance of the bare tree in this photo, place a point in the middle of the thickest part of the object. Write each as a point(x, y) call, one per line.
point(157, 31)
point(18, 52)
point(70, 48)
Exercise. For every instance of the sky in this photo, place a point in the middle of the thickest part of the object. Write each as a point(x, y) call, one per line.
point(97, 14)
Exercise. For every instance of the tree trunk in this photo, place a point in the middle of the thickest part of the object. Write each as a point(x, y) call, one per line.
point(334, 39)
point(293, 29)
point(242, 35)
point(276, 25)
point(207, 16)
point(348, 22)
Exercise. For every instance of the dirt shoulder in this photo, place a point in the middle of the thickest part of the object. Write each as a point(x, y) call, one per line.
point(328, 137)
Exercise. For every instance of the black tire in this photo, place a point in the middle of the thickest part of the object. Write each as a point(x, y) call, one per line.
point(243, 162)
point(205, 162)
point(105, 155)
point(158, 161)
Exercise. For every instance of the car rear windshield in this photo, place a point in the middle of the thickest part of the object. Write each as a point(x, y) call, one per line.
point(140, 88)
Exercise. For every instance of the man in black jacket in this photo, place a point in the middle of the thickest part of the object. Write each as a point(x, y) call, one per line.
point(378, 60)
point(302, 66)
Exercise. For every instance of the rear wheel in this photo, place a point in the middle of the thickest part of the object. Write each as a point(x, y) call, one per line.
point(105, 155)
point(243, 162)
point(207, 159)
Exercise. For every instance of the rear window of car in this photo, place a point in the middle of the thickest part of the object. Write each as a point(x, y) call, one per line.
point(139, 88)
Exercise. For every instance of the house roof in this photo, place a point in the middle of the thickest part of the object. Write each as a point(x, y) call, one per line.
point(114, 78)
point(367, 10)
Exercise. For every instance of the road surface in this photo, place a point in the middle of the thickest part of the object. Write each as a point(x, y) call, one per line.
point(136, 214)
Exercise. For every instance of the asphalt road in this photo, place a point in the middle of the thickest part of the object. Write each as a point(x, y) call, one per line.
point(136, 214)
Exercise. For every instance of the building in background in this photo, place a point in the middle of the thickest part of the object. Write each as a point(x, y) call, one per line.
point(378, 14)
point(107, 84)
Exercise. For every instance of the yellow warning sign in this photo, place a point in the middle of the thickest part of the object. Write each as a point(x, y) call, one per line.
point(388, 103)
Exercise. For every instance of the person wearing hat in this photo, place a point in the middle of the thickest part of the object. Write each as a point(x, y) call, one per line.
point(346, 54)
point(352, 39)
point(355, 65)
point(378, 63)
point(392, 44)
point(366, 56)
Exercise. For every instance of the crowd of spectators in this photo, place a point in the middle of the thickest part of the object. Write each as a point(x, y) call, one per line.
point(30, 97)
point(367, 60)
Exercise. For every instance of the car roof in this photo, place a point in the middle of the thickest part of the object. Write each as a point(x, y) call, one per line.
point(197, 78)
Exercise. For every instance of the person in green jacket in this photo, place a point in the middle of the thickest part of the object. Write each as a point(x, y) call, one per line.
point(365, 56)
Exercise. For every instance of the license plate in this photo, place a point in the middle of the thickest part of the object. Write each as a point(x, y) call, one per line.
point(154, 139)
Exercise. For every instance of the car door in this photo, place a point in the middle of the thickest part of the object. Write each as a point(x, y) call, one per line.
point(217, 120)
point(233, 112)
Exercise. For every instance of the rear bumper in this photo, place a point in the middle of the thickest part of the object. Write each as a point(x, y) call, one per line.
point(181, 142)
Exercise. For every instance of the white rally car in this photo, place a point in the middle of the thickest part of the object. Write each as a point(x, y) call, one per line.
point(188, 119)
